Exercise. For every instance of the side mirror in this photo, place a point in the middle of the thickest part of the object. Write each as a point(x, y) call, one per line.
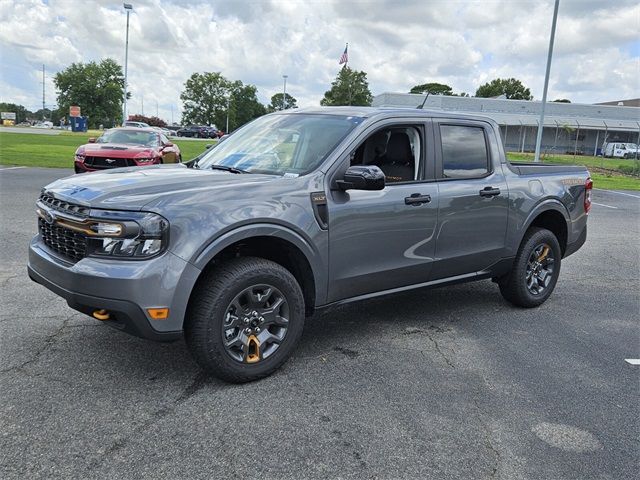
point(362, 177)
point(167, 145)
point(92, 139)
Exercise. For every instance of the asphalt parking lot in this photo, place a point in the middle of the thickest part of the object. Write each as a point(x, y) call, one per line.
point(447, 383)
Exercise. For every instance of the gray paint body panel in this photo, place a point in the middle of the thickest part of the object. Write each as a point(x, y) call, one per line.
point(374, 242)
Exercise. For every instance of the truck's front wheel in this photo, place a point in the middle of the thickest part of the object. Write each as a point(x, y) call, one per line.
point(245, 319)
point(535, 270)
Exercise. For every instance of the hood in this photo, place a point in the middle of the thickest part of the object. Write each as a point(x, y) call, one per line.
point(132, 188)
point(117, 150)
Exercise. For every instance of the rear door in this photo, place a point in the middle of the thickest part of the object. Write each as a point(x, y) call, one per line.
point(473, 199)
point(380, 240)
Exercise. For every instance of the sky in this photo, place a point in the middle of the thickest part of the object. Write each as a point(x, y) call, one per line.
point(397, 43)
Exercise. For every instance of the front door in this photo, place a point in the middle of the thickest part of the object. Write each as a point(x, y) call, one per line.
point(381, 240)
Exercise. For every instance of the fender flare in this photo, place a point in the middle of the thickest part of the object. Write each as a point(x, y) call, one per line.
point(541, 207)
point(219, 243)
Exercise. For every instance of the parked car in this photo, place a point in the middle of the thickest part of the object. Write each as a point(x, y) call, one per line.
point(126, 147)
point(45, 124)
point(298, 211)
point(197, 131)
point(130, 123)
point(165, 131)
point(619, 150)
point(190, 131)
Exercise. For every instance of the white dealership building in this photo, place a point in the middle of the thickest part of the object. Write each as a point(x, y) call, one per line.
point(568, 127)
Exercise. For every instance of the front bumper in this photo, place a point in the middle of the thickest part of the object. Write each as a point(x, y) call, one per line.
point(126, 289)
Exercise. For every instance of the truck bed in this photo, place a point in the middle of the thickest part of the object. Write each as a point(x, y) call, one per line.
point(526, 168)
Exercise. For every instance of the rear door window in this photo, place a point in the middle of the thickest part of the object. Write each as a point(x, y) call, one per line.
point(464, 151)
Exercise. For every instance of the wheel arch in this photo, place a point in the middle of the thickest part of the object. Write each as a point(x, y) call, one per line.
point(553, 216)
point(271, 242)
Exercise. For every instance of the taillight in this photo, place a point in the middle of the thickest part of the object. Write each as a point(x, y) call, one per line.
point(588, 188)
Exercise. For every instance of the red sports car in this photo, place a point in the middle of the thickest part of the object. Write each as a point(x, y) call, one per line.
point(126, 147)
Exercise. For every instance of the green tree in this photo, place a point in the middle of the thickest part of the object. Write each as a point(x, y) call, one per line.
point(509, 87)
point(244, 105)
point(97, 88)
point(22, 114)
point(562, 100)
point(432, 89)
point(206, 96)
point(277, 103)
point(349, 88)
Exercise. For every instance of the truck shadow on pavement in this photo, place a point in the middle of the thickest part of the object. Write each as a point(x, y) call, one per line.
point(344, 329)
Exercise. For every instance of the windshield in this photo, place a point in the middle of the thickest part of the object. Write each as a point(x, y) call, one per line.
point(290, 144)
point(129, 137)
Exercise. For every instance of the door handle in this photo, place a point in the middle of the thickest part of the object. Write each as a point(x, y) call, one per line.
point(417, 199)
point(489, 192)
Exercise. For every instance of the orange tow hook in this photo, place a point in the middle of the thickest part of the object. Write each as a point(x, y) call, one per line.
point(101, 314)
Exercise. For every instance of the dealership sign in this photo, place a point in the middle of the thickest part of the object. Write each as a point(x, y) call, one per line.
point(74, 111)
point(7, 115)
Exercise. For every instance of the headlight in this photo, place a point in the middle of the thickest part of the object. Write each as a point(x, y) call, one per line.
point(127, 234)
point(80, 157)
point(144, 160)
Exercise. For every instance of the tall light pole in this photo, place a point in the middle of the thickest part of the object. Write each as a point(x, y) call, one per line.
point(228, 102)
point(128, 7)
point(546, 82)
point(284, 93)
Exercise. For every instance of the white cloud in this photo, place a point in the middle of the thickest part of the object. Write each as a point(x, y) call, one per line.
point(399, 44)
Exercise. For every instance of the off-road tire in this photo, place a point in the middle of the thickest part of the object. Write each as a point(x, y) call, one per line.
point(513, 286)
point(208, 307)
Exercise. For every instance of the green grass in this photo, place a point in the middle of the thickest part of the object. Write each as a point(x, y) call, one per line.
point(606, 173)
point(37, 150)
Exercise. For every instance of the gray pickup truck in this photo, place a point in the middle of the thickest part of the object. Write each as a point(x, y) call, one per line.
point(297, 211)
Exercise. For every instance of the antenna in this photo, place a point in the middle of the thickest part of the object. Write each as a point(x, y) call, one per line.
point(421, 106)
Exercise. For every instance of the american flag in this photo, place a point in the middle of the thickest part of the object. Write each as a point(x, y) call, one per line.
point(345, 56)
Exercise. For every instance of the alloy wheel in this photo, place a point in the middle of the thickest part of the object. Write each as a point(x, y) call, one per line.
point(255, 323)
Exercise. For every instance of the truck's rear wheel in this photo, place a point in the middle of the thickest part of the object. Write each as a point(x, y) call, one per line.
point(535, 270)
point(245, 319)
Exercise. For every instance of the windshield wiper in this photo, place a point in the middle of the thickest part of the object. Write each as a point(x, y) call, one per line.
point(227, 169)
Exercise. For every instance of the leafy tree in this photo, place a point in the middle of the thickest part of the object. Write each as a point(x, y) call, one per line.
point(432, 89)
point(509, 87)
point(97, 88)
point(349, 88)
point(44, 113)
point(277, 103)
point(152, 121)
point(206, 95)
point(22, 114)
point(562, 100)
point(204, 98)
point(244, 106)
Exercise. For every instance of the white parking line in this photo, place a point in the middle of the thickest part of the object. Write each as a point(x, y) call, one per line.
point(619, 193)
point(632, 361)
point(10, 168)
point(603, 205)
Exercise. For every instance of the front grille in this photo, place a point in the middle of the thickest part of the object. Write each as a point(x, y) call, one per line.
point(65, 207)
point(105, 162)
point(68, 243)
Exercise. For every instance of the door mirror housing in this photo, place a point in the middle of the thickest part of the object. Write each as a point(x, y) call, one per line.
point(362, 177)
point(92, 139)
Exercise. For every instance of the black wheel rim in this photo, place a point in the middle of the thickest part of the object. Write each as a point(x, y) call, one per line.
point(255, 324)
point(540, 269)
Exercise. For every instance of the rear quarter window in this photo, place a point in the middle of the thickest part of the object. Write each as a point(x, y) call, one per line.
point(464, 151)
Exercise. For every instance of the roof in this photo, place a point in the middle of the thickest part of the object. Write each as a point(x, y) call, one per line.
point(521, 112)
